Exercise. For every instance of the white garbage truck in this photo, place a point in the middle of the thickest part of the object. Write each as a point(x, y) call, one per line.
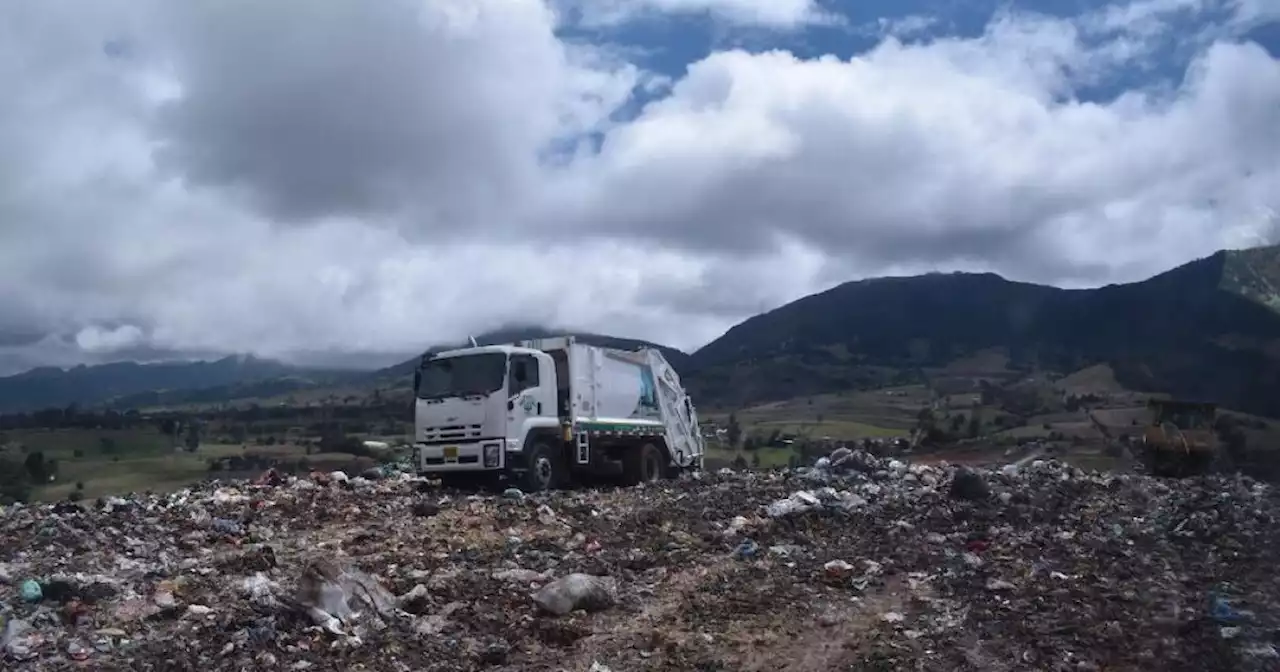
point(550, 411)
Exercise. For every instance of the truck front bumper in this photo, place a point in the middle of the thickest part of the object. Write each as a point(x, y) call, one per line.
point(485, 455)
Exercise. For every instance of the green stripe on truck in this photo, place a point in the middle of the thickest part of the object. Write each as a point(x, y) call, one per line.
point(621, 427)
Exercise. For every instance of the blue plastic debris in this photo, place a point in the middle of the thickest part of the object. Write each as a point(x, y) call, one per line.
point(1221, 611)
point(31, 591)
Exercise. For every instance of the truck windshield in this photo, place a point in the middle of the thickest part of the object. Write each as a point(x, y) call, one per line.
point(462, 376)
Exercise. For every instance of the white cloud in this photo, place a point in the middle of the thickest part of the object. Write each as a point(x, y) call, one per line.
point(1145, 17)
point(905, 27)
point(223, 177)
point(1256, 11)
point(784, 14)
point(95, 339)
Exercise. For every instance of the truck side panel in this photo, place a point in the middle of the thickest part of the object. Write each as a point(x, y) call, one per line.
point(612, 384)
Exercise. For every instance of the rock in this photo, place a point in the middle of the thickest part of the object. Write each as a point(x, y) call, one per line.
point(425, 509)
point(415, 601)
point(838, 569)
point(577, 591)
point(164, 599)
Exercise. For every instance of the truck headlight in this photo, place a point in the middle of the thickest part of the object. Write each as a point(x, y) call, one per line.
point(492, 455)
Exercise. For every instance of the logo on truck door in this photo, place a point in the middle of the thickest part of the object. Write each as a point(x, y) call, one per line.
point(527, 402)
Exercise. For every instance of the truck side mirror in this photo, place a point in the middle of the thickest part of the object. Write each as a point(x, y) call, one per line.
point(417, 380)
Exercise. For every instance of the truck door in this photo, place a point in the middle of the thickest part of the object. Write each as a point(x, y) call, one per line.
point(530, 395)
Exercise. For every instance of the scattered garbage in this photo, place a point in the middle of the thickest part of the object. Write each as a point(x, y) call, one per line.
point(336, 597)
point(923, 567)
point(746, 550)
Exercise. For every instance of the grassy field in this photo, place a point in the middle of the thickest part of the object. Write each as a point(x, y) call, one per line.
point(144, 463)
point(106, 462)
point(770, 458)
point(66, 444)
point(883, 413)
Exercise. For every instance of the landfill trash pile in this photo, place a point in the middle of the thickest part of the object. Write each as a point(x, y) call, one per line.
point(858, 563)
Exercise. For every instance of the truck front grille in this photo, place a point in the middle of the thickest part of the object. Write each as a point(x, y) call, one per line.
point(445, 433)
point(462, 459)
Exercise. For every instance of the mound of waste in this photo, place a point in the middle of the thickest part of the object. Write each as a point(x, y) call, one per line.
point(858, 563)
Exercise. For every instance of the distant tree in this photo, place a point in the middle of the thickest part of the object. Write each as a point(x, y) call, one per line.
point(975, 426)
point(735, 430)
point(755, 460)
point(15, 486)
point(35, 467)
point(192, 439)
point(957, 422)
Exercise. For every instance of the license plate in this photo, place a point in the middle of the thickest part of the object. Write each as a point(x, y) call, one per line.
point(450, 452)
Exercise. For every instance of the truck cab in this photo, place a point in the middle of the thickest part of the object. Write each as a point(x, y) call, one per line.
point(473, 406)
point(539, 411)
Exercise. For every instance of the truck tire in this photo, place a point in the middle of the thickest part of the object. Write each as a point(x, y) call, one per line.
point(544, 469)
point(644, 465)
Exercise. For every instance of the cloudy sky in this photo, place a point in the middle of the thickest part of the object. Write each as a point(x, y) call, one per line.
point(326, 180)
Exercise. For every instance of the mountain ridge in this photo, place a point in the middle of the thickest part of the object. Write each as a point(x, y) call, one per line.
point(241, 376)
point(1209, 329)
point(1204, 329)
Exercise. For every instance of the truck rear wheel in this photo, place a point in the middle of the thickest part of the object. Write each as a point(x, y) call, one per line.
point(543, 469)
point(644, 465)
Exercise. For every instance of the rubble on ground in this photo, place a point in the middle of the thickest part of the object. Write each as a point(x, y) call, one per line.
point(857, 563)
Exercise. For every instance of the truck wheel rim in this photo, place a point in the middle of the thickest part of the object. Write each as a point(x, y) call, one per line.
point(650, 468)
point(542, 468)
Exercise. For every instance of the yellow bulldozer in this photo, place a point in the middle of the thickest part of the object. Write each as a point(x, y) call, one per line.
point(1181, 440)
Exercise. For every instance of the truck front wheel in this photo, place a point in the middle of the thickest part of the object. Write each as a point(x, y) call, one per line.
point(542, 468)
